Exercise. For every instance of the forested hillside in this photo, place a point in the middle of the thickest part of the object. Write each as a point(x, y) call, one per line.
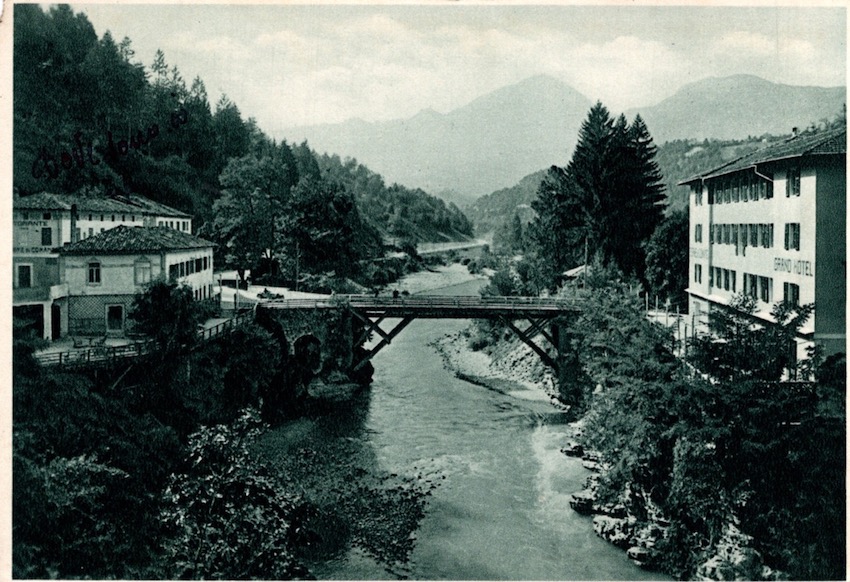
point(88, 118)
point(491, 211)
point(399, 213)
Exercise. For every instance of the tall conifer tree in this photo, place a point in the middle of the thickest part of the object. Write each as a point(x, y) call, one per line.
point(608, 198)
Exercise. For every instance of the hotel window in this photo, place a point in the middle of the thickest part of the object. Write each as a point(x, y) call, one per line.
point(173, 271)
point(736, 190)
point(199, 265)
point(791, 293)
point(698, 195)
point(710, 277)
point(754, 235)
point(768, 186)
point(90, 217)
point(698, 233)
point(718, 277)
point(113, 218)
point(91, 231)
point(744, 235)
point(94, 273)
point(726, 279)
point(734, 229)
point(727, 234)
point(46, 216)
point(792, 183)
point(732, 281)
point(47, 237)
point(24, 276)
point(143, 271)
point(698, 273)
point(766, 235)
point(792, 236)
point(765, 283)
point(182, 269)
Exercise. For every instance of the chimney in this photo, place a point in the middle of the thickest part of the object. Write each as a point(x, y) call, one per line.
point(74, 218)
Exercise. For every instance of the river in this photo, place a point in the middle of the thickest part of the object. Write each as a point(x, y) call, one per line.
point(500, 508)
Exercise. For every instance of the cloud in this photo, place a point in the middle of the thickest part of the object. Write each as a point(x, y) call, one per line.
point(625, 71)
point(745, 44)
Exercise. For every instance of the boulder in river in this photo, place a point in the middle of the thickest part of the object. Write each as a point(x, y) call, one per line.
point(616, 530)
point(573, 449)
point(583, 502)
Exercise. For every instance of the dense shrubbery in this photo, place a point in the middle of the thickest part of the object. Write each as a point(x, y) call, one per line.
point(225, 516)
point(743, 450)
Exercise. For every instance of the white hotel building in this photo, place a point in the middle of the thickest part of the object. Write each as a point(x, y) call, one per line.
point(772, 224)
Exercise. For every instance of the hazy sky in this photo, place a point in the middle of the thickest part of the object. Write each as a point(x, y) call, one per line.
point(288, 65)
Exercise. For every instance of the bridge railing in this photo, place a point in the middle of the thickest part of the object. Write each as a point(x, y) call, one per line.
point(95, 355)
point(423, 301)
point(106, 354)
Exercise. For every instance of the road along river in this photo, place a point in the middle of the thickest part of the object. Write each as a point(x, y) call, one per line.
point(500, 508)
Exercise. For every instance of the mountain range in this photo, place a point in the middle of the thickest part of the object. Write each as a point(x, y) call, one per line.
point(497, 139)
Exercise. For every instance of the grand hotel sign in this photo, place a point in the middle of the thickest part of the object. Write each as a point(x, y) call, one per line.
point(795, 266)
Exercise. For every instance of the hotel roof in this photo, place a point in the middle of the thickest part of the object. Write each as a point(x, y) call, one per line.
point(136, 239)
point(125, 204)
point(829, 142)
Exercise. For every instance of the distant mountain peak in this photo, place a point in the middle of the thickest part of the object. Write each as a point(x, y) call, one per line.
point(737, 106)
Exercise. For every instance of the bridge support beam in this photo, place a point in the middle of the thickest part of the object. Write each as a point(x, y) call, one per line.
point(537, 326)
point(386, 338)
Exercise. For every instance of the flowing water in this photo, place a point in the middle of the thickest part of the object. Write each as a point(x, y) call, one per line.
point(501, 509)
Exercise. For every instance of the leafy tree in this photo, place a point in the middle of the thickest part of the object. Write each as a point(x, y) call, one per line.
point(667, 258)
point(739, 347)
point(168, 313)
point(255, 196)
point(556, 235)
point(323, 231)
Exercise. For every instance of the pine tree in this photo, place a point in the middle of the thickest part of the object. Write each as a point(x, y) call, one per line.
point(607, 198)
